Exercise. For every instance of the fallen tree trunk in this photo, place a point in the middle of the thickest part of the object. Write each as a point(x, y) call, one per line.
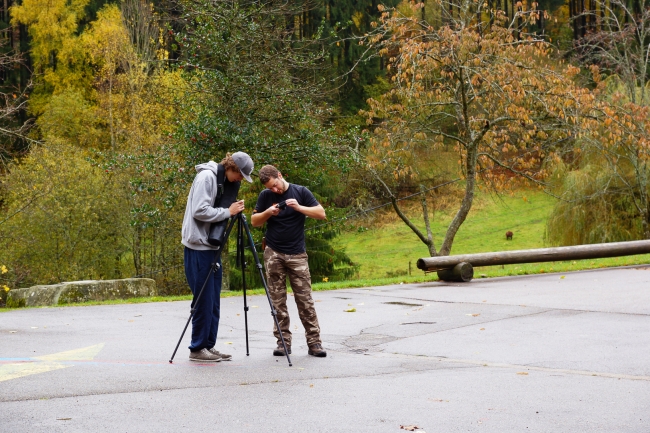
point(578, 252)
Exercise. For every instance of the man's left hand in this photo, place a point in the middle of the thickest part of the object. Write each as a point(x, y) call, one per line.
point(293, 203)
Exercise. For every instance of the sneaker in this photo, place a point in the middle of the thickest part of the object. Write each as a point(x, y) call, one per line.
point(317, 351)
point(279, 351)
point(224, 356)
point(204, 355)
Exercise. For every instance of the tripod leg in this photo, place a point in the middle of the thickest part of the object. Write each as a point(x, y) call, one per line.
point(242, 260)
point(266, 288)
point(213, 268)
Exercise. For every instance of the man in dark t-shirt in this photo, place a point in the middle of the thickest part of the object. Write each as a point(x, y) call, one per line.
point(283, 207)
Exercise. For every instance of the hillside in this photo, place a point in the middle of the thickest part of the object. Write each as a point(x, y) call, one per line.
point(384, 246)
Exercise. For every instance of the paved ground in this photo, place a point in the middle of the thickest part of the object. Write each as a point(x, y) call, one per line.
point(547, 353)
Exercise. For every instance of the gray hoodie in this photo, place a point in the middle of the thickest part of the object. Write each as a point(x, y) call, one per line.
point(199, 212)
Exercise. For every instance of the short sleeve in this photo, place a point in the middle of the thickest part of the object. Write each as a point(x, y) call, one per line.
point(307, 198)
point(261, 200)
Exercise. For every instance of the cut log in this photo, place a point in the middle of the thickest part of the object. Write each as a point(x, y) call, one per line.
point(558, 254)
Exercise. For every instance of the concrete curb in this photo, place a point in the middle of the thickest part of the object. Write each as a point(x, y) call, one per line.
point(81, 291)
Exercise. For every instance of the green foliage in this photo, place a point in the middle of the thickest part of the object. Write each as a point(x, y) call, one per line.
point(347, 21)
point(254, 88)
point(68, 116)
point(62, 221)
point(595, 207)
point(327, 263)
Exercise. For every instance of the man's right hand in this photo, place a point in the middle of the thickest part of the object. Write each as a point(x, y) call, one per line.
point(236, 207)
point(259, 218)
point(273, 210)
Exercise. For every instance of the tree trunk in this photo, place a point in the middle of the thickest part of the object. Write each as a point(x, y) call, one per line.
point(137, 248)
point(407, 221)
point(110, 111)
point(427, 224)
point(466, 204)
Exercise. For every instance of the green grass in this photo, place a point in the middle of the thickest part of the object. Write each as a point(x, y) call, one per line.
point(384, 252)
point(387, 250)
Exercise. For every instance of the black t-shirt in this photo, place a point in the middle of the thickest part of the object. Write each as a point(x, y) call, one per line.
point(285, 232)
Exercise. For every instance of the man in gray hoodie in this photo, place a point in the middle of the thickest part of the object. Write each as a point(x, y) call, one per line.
point(201, 211)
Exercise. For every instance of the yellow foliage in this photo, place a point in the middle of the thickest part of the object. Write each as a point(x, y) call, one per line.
point(55, 49)
point(65, 220)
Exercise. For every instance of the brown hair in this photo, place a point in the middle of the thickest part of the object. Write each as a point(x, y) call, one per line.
point(267, 172)
point(229, 163)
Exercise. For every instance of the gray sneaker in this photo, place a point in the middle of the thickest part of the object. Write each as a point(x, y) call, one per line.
point(204, 355)
point(224, 356)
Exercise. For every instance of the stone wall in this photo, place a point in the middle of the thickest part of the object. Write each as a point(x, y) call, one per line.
point(81, 291)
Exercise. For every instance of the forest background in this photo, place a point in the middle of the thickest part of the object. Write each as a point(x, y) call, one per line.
point(108, 105)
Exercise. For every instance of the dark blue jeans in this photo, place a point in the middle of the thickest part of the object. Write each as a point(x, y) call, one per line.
point(205, 321)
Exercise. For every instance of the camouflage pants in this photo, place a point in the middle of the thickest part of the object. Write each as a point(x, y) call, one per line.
point(278, 267)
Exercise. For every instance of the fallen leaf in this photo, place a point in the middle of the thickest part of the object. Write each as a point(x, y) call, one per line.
point(63, 419)
point(311, 385)
point(130, 320)
point(482, 329)
point(254, 306)
point(228, 342)
point(409, 427)
point(522, 373)
point(351, 310)
point(473, 314)
point(12, 332)
point(562, 277)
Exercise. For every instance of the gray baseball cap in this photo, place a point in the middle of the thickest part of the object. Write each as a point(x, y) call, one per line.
point(244, 164)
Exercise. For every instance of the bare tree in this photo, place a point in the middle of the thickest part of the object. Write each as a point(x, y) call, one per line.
point(14, 124)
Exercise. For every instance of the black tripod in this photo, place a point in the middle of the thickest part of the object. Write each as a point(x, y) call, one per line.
point(241, 259)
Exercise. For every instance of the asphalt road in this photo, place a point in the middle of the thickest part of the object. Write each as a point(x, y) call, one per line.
point(545, 353)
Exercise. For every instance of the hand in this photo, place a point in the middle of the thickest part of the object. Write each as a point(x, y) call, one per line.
point(293, 203)
point(236, 207)
point(273, 210)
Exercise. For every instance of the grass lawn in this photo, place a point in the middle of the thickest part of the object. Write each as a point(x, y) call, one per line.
point(387, 252)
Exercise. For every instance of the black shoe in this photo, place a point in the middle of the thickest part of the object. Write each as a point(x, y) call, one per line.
point(317, 351)
point(279, 351)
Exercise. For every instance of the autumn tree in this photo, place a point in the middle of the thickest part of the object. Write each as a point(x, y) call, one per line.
point(58, 57)
point(479, 87)
point(606, 190)
point(61, 219)
point(102, 101)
